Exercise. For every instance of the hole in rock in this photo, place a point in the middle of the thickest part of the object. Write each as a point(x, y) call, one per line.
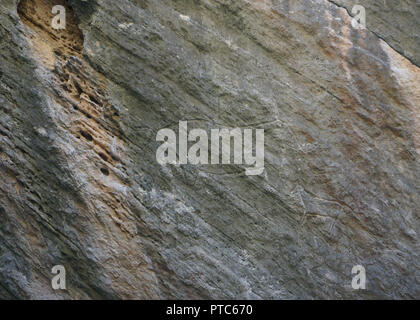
point(105, 171)
point(86, 135)
point(103, 156)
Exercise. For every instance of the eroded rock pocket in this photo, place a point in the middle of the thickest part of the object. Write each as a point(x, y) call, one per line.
point(79, 88)
point(38, 15)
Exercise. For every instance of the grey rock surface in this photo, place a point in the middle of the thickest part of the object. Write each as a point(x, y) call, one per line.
point(394, 21)
point(80, 185)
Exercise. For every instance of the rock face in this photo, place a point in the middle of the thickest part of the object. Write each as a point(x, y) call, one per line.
point(80, 186)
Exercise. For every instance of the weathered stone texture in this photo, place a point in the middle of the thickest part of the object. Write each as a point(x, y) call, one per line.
point(80, 185)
